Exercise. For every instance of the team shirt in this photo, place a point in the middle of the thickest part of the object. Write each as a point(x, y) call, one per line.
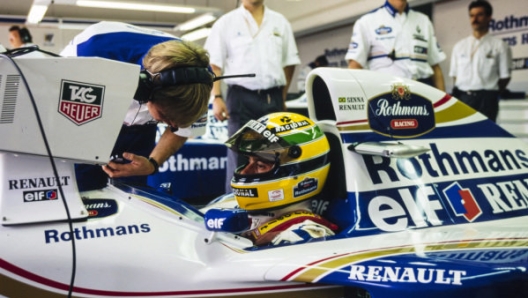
point(126, 43)
point(239, 46)
point(408, 36)
point(478, 64)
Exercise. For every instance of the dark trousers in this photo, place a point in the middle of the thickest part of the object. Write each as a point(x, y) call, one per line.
point(244, 105)
point(484, 101)
point(138, 139)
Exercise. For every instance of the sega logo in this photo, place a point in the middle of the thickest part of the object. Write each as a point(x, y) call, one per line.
point(40, 195)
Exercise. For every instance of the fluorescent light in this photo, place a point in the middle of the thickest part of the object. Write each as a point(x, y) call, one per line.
point(136, 6)
point(197, 34)
point(36, 13)
point(196, 22)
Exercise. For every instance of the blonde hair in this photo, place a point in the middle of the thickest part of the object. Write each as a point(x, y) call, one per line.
point(186, 103)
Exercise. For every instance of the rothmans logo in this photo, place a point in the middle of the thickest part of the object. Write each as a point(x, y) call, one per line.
point(400, 91)
point(81, 102)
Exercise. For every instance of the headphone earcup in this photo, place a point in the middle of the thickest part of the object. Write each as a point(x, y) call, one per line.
point(24, 35)
point(144, 88)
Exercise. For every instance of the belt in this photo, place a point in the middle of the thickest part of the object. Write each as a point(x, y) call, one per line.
point(477, 92)
point(258, 91)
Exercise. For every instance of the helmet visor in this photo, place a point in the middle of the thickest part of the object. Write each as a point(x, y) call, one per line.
point(255, 139)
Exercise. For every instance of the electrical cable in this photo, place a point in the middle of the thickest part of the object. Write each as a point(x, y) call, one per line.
point(52, 161)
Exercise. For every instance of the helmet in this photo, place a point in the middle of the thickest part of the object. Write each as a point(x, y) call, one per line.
point(299, 152)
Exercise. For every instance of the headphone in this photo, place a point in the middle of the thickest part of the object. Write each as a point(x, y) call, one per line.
point(149, 83)
point(25, 36)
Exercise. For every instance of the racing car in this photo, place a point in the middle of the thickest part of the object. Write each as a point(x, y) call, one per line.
point(431, 198)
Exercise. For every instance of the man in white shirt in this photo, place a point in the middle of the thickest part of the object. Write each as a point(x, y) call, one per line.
point(481, 64)
point(251, 39)
point(397, 40)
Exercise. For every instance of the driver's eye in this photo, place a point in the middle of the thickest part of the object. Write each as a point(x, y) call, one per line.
point(262, 167)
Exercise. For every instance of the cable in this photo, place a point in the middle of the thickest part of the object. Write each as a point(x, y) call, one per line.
point(54, 167)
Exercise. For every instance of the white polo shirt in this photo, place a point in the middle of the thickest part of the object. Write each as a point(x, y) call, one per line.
point(478, 64)
point(410, 35)
point(126, 43)
point(239, 46)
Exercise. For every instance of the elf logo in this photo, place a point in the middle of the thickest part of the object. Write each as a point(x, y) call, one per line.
point(462, 201)
point(40, 195)
point(81, 102)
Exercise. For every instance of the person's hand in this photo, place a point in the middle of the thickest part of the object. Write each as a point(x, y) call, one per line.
point(138, 166)
point(220, 109)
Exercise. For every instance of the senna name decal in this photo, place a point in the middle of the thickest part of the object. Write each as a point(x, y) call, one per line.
point(406, 114)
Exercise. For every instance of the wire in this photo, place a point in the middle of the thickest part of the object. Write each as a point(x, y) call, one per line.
point(54, 167)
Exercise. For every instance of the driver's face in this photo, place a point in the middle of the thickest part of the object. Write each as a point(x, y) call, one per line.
point(256, 166)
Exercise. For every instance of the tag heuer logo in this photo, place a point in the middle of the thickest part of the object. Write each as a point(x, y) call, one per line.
point(80, 102)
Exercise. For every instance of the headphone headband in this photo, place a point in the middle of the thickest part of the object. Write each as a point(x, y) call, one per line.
point(185, 75)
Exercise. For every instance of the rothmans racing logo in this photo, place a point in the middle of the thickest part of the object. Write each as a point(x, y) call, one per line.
point(407, 114)
point(81, 102)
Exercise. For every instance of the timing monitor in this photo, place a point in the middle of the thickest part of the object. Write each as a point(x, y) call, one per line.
point(77, 104)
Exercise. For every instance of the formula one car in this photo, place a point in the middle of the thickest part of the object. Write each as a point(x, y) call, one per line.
point(430, 197)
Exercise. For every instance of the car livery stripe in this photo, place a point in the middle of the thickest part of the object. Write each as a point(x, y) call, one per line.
point(58, 286)
point(315, 271)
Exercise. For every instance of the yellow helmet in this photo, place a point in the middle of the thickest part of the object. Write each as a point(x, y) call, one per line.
point(299, 152)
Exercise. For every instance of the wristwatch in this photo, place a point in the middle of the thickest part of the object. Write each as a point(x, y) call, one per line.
point(155, 164)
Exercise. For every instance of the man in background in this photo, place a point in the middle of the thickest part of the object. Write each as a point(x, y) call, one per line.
point(481, 64)
point(250, 39)
point(399, 41)
point(320, 61)
point(19, 37)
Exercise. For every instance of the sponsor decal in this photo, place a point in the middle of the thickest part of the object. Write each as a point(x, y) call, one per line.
point(85, 233)
point(421, 275)
point(39, 182)
point(289, 125)
point(407, 114)
point(481, 196)
point(261, 128)
point(81, 102)
point(418, 34)
point(40, 195)
point(215, 223)
point(383, 30)
point(245, 192)
point(404, 123)
point(308, 185)
point(420, 50)
point(98, 208)
point(487, 256)
point(400, 91)
point(351, 103)
point(276, 195)
point(462, 202)
point(179, 163)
